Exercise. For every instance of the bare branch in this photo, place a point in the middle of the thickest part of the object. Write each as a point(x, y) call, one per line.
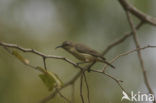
point(88, 93)
point(38, 53)
point(61, 95)
point(126, 53)
point(139, 53)
point(29, 65)
point(81, 93)
point(44, 62)
point(51, 96)
point(122, 39)
point(142, 16)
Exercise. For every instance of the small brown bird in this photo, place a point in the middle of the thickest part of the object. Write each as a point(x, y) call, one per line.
point(83, 53)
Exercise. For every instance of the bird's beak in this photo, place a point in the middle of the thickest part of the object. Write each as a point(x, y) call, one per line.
point(59, 47)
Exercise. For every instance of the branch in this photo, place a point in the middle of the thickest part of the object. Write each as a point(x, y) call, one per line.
point(88, 93)
point(139, 53)
point(126, 53)
point(44, 56)
point(27, 64)
point(139, 14)
point(81, 84)
point(115, 79)
point(61, 95)
point(122, 39)
point(44, 62)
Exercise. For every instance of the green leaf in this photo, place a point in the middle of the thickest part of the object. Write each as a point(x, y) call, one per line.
point(48, 81)
point(51, 80)
point(57, 79)
point(20, 57)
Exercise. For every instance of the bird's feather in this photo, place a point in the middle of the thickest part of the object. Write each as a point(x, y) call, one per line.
point(86, 50)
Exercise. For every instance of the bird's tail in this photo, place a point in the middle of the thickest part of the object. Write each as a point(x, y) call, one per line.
point(104, 61)
point(109, 64)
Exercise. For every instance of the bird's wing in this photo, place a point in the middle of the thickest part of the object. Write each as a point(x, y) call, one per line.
point(86, 50)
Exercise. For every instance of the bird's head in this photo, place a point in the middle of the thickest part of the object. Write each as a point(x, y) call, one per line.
point(66, 45)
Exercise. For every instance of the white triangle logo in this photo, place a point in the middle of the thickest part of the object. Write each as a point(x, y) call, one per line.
point(125, 96)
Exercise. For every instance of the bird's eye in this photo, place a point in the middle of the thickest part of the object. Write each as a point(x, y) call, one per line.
point(68, 44)
point(65, 44)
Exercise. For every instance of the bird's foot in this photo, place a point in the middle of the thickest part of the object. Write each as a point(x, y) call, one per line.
point(80, 63)
point(89, 69)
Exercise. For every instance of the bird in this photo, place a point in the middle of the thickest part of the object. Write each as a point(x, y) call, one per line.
point(84, 53)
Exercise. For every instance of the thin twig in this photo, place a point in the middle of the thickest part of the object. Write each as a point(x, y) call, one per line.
point(122, 39)
point(115, 79)
point(139, 14)
point(139, 54)
point(51, 96)
point(126, 53)
point(44, 62)
point(38, 53)
point(81, 91)
point(88, 92)
point(65, 98)
point(29, 65)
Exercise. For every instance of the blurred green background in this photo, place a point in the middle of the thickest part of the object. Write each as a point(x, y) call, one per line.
point(45, 24)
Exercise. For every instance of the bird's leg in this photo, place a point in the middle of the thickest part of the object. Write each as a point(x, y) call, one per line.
point(90, 65)
point(81, 62)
